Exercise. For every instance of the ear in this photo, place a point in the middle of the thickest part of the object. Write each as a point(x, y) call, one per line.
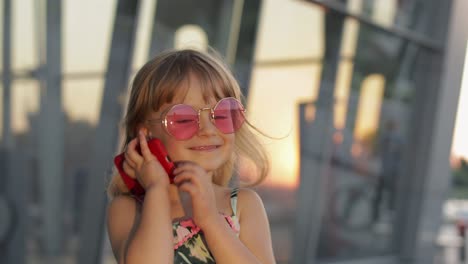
point(142, 127)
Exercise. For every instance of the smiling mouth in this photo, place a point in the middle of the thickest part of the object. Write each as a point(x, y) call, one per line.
point(205, 148)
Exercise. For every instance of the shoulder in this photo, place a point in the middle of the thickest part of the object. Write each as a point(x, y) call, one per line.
point(249, 202)
point(248, 195)
point(121, 205)
point(122, 215)
point(255, 228)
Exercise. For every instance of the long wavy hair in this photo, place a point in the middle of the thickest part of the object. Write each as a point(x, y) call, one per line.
point(159, 81)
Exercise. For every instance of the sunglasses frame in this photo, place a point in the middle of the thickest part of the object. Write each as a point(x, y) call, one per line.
point(163, 118)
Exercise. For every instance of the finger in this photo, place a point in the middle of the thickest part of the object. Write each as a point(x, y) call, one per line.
point(132, 144)
point(132, 153)
point(130, 171)
point(145, 151)
point(184, 166)
point(198, 172)
point(186, 176)
point(187, 187)
point(181, 177)
point(130, 162)
point(178, 171)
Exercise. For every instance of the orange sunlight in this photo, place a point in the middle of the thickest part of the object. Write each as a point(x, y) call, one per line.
point(460, 139)
point(287, 72)
point(277, 116)
point(343, 83)
point(346, 66)
point(370, 103)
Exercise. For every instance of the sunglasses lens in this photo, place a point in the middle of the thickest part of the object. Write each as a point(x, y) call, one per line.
point(182, 122)
point(229, 115)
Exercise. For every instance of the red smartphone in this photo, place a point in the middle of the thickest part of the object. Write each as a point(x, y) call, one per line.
point(157, 149)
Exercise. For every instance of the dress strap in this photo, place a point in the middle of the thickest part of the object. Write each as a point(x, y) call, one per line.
point(234, 193)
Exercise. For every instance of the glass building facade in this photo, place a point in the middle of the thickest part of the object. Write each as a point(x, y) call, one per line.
point(362, 93)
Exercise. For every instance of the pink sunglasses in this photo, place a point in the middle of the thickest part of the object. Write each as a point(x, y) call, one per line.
point(182, 121)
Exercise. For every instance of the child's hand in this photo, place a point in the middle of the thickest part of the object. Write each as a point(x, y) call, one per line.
point(145, 167)
point(193, 179)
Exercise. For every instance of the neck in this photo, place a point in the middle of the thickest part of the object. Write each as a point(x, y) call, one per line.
point(174, 191)
point(174, 194)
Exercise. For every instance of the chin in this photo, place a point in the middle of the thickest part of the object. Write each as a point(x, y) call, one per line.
point(212, 166)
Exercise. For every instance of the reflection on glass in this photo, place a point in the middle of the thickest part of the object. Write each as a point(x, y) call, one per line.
point(408, 15)
point(384, 12)
point(361, 176)
point(345, 68)
point(287, 71)
point(351, 31)
point(389, 150)
point(361, 180)
point(370, 103)
point(25, 103)
point(273, 115)
point(343, 83)
point(310, 111)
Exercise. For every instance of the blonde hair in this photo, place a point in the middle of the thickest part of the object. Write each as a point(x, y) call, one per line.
point(157, 83)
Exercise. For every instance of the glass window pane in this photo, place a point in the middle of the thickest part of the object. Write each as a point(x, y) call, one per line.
point(412, 15)
point(273, 116)
point(460, 141)
point(24, 104)
point(25, 34)
point(82, 99)
point(367, 151)
point(290, 38)
point(87, 31)
point(287, 70)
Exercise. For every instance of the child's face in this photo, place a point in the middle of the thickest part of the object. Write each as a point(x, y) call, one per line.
point(209, 147)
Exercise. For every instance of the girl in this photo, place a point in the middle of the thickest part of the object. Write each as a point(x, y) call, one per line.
point(227, 225)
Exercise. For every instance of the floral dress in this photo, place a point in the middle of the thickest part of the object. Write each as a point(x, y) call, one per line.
point(189, 242)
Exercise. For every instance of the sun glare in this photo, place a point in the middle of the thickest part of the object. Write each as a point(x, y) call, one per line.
point(370, 103)
point(460, 139)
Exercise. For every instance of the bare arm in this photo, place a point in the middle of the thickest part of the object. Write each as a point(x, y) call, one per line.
point(141, 239)
point(254, 245)
point(148, 237)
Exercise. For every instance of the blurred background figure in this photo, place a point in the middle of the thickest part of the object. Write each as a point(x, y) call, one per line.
point(370, 93)
point(390, 149)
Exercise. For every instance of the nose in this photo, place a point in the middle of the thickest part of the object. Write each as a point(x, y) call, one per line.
point(206, 125)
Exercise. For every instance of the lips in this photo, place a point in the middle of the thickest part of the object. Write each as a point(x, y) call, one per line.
point(205, 148)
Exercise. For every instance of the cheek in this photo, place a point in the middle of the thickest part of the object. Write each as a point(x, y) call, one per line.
point(161, 135)
point(174, 148)
point(169, 145)
point(229, 140)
